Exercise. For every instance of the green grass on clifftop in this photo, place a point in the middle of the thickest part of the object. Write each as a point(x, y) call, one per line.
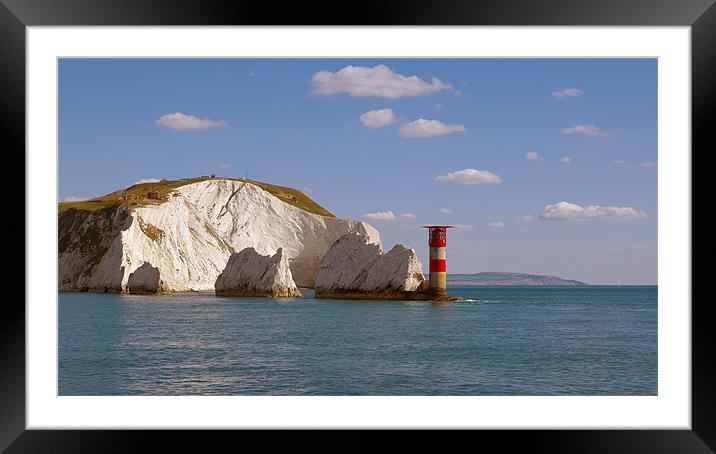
point(165, 187)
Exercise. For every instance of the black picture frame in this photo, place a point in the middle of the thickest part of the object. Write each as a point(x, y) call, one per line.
point(700, 15)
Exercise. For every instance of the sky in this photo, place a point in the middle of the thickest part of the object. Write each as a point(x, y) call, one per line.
point(544, 166)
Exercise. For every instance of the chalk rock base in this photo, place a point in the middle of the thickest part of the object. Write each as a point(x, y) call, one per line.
point(248, 273)
point(146, 279)
point(356, 268)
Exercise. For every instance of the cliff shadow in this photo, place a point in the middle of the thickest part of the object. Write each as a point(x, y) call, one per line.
point(90, 250)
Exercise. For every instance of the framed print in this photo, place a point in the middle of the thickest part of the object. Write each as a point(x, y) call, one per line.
point(447, 217)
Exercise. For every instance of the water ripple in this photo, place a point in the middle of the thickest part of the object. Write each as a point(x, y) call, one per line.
point(498, 341)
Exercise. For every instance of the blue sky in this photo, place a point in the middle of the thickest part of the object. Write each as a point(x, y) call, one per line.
point(547, 166)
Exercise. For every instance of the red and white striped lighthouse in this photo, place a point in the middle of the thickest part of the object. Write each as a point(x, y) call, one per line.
point(437, 240)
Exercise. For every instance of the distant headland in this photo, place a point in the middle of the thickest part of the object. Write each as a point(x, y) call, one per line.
point(502, 278)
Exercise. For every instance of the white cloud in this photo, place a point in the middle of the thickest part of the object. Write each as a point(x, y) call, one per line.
point(619, 162)
point(423, 129)
point(380, 216)
point(496, 224)
point(182, 122)
point(565, 160)
point(567, 93)
point(377, 118)
point(585, 130)
point(224, 165)
point(525, 217)
point(72, 198)
point(533, 156)
point(462, 227)
point(571, 211)
point(361, 81)
point(408, 216)
point(524, 232)
point(470, 176)
point(446, 210)
point(147, 180)
point(648, 164)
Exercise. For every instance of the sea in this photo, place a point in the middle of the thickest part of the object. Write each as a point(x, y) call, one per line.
point(499, 341)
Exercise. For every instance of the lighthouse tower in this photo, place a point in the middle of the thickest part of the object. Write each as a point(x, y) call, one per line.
point(437, 240)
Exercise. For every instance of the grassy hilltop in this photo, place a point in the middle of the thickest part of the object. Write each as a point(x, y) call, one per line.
point(165, 187)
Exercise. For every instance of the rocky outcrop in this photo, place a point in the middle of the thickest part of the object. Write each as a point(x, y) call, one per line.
point(356, 268)
point(190, 237)
point(249, 273)
point(146, 279)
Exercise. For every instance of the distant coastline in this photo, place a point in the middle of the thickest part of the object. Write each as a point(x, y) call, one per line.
point(503, 278)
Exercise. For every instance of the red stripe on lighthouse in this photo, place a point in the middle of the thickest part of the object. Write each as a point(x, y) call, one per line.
point(437, 265)
point(437, 237)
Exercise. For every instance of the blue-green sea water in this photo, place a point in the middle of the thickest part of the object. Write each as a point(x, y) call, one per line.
point(595, 340)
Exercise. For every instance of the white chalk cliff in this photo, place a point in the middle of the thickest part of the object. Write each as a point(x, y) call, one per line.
point(356, 267)
point(249, 273)
point(190, 237)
